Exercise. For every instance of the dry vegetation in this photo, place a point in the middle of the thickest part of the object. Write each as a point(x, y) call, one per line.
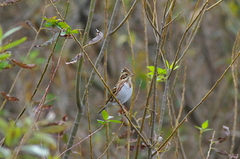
point(199, 39)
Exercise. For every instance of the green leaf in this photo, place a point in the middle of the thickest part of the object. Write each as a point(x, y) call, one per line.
point(110, 117)
point(35, 150)
point(115, 121)
point(53, 157)
point(13, 134)
point(4, 64)
point(205, 124)
point(62, 25)
point(206, 130)
point(167, 63)
point(3, 126)
point(49, 24)
point(53, 129)
point(162, 71)
point(105, 115)
point(4, 56)
point(151, 68)
point(5, 152)
point(1, 32)
point(75, 31)
point(44, 138)
point(13, 44)
point(13, 30)
point(101, 121)
point(198, 127)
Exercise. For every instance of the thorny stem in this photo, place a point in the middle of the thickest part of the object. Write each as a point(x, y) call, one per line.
point(195, 107)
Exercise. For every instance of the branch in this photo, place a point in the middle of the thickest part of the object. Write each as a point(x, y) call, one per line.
point(195, 107)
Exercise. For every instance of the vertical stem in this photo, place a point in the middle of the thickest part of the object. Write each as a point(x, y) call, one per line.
point(200, 144)
point(103, 49)
point(235, 82)
point(105, 73)
point(80, 106)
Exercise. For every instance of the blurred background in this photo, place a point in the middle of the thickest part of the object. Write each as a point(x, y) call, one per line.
point(206, 59)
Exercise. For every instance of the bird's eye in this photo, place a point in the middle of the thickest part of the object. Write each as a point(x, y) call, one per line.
point(124, 76)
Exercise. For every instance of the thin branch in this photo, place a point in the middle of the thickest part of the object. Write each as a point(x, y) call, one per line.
point(210, 147)
point(235, 83)
point(115, 135)
point(108, 88)
point(125, 18)
point(80, 106)
point(81, 141)
point(199, 16)
point(214, 5)
point(195, 107)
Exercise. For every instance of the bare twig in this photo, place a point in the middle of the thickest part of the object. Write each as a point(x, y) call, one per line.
point(126, 17)
point(81, 141)
point(235, 82)
point(195, 107)
point(210, 146)
point(80, 105)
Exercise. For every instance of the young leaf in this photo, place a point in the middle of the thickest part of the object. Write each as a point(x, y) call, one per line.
point(4, 65)
point(44, 138)
point(35, 150)
point(205, 124)
point(206, 130)
point(167, 64)
point(151, 68)
point(75, 31)
point(4, 56)
point(110, 117)
point(5, 152)
point(115, 121)
point(198, 127)
point(101, 121)
point(13, 30)
point(105, 115)
point(13, 44)
point(54, 129)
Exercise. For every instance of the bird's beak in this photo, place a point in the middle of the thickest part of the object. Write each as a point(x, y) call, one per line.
point(131, 75)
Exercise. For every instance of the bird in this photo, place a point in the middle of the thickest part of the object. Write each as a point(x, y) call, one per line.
point(122, 90)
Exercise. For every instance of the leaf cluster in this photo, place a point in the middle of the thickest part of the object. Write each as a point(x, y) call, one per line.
point(54, 22)
point(14, 132)
point(161, 73)
point(107, 118)
point(204, 127)
point(4, 53)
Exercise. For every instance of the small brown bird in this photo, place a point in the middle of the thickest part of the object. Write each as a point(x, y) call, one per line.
point(122, 90)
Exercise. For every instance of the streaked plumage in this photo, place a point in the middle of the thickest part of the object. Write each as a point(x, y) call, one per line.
point(122, 90)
